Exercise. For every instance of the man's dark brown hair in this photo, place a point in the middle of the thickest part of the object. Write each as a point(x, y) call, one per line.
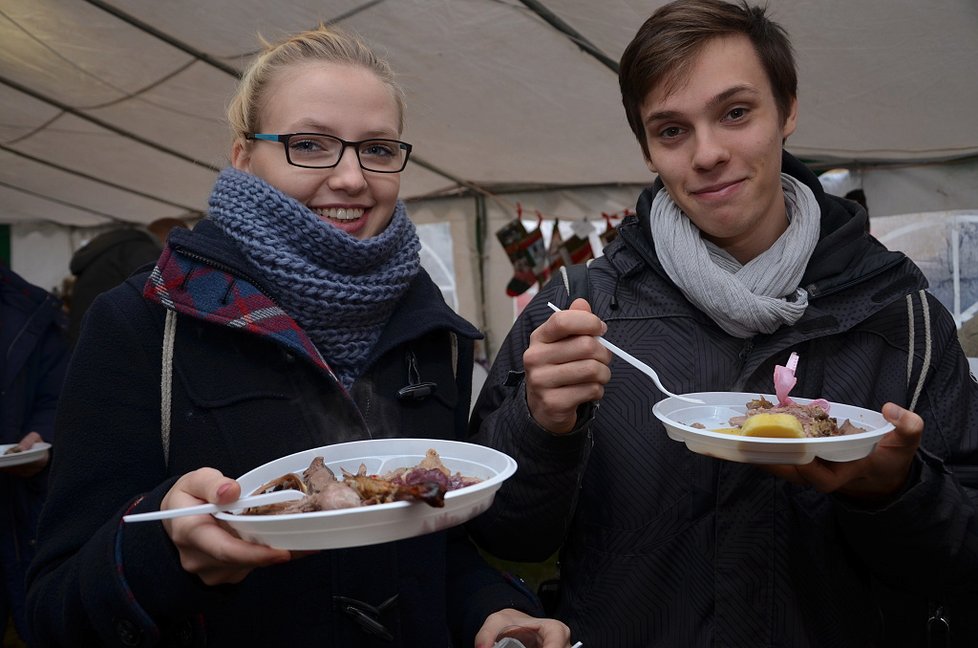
point(667, 43)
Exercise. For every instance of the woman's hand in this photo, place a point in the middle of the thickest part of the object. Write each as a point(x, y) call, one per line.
point(534, 632)
point(207, 547)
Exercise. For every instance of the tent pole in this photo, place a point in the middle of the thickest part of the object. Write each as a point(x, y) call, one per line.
point(578, 38)
point(481, 225)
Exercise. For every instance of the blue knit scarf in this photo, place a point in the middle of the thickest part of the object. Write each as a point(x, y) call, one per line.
point(339, 289)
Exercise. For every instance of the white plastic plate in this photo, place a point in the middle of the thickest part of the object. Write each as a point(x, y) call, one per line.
point(679, 416)
point(18, 458)
point(367, 525)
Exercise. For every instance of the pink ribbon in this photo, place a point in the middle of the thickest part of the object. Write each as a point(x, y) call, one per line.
point(784, 382)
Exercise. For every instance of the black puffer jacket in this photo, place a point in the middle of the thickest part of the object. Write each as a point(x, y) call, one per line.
point(243, 394)
point(663, 547)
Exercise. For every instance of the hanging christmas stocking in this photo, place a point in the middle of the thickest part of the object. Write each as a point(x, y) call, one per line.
point(526, 252)
point(576, 250)
point(554, 257)
point(610, 232)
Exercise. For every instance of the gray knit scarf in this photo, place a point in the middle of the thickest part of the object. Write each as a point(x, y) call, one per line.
point(339, 289)
point(743, 300)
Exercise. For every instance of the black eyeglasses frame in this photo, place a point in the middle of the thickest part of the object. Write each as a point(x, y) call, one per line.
point(284, 138)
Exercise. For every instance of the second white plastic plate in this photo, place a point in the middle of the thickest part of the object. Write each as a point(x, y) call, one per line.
point(679, 416)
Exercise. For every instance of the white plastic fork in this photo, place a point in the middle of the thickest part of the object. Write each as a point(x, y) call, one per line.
point(274, 497)
point(638, 364)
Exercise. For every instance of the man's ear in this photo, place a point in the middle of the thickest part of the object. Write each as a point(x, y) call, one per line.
point(650, 164)
point(791, 120)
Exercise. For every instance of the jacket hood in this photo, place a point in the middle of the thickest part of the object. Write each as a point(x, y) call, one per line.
point(844, 254)
point(28, 311)
point(34, 304)
point(85, 255)
point(16, 292)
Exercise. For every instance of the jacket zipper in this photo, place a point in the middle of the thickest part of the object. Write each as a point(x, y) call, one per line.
point(217, 265)
point(743, 356)
point(814, 289)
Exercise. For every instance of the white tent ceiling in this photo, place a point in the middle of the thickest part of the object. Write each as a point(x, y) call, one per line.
point(113, 110)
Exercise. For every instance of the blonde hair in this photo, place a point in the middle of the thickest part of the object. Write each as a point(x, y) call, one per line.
point(324, 44)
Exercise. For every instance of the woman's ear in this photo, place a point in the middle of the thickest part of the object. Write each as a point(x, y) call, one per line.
point(240, 155)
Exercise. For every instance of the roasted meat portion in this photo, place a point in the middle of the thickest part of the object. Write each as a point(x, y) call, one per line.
point(431, 468)
point(815, 421)
point(428, 481)
point(374, 489)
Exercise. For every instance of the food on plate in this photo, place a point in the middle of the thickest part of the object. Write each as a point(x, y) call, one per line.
point(428, 481)
point(810, 420)
point(773, 425)
point(787, 419)
point(795, 421)
point(14, 449)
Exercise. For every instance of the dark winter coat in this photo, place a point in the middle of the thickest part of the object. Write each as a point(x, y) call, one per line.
point(33, 360)
point(247, 388)
point(105, 262)
point(664, 547)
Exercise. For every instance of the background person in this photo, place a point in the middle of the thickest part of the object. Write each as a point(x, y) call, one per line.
point(860, 197)
point(736, 259)
point(296, 309)
point(34, 355)
point(968, 336)
point(108, 260)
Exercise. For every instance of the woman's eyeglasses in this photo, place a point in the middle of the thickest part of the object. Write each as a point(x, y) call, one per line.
point(319, 151)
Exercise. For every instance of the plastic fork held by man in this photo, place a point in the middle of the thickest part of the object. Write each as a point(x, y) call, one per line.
point(638, 364)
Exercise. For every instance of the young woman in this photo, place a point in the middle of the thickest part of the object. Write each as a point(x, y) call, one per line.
point(287, 319)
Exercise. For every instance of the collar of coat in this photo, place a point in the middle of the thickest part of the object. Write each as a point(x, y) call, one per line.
point(200, 274)
point(199, 288)
point(844, 255)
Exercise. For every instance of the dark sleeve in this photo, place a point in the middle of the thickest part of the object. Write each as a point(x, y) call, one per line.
point(476, 590)
point(53, 353)
point(463, 383)
point(96, 580)
point(532, 510)
point(931, 529)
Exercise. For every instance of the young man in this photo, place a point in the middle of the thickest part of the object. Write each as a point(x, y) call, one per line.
point(736, 259)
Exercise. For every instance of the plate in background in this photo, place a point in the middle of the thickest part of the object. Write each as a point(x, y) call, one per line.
point(18, 458)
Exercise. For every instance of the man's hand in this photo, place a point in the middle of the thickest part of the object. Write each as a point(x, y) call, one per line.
point(533, 632)
point(878, 476)
point(565, 367)
point(34, 467)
